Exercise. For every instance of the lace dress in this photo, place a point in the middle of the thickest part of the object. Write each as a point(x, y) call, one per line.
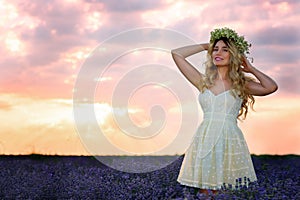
point(218, 155)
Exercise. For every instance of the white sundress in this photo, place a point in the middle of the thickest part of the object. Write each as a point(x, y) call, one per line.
point(218, 155)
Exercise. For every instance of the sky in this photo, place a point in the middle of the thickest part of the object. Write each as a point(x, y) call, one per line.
point(116, 55)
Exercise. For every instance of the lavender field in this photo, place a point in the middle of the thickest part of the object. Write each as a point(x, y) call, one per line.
point(57, 177)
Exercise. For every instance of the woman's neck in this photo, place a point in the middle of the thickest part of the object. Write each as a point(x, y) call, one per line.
point(222, 73)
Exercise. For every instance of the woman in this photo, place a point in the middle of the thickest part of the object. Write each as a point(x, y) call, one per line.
point(218, 155)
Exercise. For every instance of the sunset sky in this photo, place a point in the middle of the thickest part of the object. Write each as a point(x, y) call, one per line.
point(45, 46)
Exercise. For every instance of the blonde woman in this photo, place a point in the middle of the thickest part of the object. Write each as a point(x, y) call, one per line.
point(218, 155)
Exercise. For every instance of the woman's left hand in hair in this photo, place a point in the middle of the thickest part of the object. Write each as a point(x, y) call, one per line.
point(265, 85)
point(246, 65)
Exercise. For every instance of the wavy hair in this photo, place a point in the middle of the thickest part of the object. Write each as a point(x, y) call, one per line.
point(235, 74)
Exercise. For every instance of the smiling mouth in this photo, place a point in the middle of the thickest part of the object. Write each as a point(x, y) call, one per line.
point(218, 59)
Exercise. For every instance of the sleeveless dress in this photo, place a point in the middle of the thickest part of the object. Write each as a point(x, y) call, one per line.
point(218, 155)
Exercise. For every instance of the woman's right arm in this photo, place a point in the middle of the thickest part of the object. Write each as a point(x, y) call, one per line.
point(191, 73)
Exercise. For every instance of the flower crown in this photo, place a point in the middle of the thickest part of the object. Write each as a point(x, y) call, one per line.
point(239, 41)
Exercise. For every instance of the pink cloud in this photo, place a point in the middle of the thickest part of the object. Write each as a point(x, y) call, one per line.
point(56, 28)
point(6, 106)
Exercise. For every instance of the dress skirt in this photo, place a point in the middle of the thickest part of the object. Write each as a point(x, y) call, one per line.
point(218, 156)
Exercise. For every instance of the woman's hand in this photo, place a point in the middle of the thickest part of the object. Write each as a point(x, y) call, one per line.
point(265, 85)
point(246, 65)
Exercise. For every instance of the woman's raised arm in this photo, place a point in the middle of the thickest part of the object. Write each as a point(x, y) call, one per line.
point(266, 84)
point(191, 73)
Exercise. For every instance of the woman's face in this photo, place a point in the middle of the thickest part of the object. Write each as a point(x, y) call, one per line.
point(220, 54)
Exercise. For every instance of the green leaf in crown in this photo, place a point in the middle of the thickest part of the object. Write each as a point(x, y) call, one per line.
point(239, 41)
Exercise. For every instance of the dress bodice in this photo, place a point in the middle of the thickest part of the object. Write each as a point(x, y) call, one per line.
point(223, 104)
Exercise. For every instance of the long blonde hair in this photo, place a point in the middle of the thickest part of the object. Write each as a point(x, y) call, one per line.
point(235, 74)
